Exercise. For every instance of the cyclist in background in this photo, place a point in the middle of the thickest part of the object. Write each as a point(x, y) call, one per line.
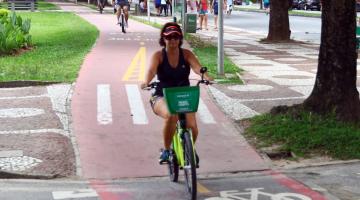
point(172, 66)
point(124, 5)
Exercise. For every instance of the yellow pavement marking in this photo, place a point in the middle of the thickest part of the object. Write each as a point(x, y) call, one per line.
point(136, 70)
point(202, 189)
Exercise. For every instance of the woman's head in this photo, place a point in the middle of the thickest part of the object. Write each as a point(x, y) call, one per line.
point(170, 31)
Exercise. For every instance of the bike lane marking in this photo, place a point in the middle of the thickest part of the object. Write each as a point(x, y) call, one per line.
point(104, 110)
point(294, 185)
point(202, 189)
point(136, 105)
point(136, 70)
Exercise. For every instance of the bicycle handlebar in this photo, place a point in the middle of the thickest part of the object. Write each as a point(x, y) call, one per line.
point(203, 70)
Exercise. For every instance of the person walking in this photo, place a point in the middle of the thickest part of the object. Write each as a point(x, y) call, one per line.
point(215, 9)
point(267, 6)
point(203, 14)
point(163, 7)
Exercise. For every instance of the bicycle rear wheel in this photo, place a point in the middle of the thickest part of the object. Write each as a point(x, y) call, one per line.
point(173, 167)
point(190, 167)
point(123, 28)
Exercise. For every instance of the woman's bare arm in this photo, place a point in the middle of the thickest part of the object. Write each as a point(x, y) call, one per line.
point(154, 63)
point(195, 64)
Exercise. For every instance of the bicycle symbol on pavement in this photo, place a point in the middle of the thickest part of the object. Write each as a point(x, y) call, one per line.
point(255, 194)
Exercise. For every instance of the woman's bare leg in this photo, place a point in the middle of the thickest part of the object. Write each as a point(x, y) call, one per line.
point(160, 108)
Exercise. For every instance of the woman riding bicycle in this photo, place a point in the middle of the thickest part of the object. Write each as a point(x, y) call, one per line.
point(172, 66)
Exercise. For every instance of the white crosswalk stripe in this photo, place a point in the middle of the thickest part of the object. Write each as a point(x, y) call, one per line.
point(136, 105)
point(139, 116)
point(104, 110)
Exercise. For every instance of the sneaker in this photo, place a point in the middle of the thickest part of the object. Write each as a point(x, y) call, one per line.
point(164, 156)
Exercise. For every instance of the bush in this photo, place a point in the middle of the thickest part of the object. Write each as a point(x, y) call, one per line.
point(4, 12)
point(14, 33)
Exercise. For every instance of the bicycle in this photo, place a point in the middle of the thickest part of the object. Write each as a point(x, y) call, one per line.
point(122, 20)
point(182, 100)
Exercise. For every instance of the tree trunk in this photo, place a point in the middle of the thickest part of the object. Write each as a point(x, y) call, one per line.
point(335, 85)
point(279, 29)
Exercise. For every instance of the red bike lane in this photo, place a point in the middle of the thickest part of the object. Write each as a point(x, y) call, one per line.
point(116, 132)
point(124, 147)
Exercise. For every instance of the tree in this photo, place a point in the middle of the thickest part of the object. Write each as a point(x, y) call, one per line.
point(279, 29)
point(335, 85)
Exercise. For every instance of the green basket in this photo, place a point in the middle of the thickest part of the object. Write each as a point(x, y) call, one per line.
point(182, 99)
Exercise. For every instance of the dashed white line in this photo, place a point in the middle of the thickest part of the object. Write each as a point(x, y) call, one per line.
point(136, 105)
point(104, 110)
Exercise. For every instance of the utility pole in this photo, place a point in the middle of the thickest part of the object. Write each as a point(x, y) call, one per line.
point(220, 64)
point(148, 9)
point(183, 13)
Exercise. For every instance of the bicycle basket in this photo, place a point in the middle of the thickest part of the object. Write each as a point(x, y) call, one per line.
point(182, 99)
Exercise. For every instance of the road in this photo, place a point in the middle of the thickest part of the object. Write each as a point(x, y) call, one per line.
point(302, 28)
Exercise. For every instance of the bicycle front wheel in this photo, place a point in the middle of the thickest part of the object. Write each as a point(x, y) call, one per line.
point(190, 167)
point(123, 29)
point(173, 167)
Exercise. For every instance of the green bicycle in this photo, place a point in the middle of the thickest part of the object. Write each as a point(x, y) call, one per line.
point(182, 100)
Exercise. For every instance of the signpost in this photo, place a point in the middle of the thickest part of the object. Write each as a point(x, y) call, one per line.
point(220, 64)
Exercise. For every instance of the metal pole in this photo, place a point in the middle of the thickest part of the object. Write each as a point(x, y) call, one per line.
point(173, 8)
point(148, 10)
point(183, 15)
point(220, 66)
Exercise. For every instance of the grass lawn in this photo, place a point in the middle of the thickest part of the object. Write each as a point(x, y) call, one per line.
point(207, 55)
point(61, 41)
point(306, 134)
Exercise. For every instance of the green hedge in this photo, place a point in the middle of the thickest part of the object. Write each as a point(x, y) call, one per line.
point(14, 32)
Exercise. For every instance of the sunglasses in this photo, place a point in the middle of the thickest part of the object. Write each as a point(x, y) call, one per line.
point(172, 37)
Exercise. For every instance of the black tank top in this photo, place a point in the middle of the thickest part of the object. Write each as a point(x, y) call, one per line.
point(172, 77)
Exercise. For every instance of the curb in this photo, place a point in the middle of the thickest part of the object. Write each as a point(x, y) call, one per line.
point(14, 175)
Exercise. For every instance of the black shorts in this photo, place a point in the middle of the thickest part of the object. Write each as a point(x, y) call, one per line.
point(121, 4)
point(153, 100)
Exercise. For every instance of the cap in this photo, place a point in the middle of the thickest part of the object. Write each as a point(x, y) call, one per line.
point(172, 29)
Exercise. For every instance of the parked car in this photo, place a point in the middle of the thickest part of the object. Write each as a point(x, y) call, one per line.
point(313, 5)
point(298, 4)
point(237, 2)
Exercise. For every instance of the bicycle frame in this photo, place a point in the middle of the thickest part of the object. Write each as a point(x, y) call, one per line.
point(178, 139)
